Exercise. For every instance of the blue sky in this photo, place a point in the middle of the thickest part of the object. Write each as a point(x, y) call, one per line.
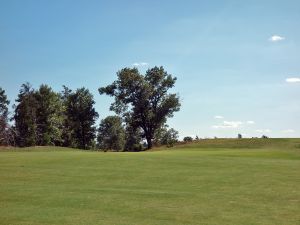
point(232, 58)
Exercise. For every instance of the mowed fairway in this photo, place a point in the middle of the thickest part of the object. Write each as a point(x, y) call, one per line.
point(211, 182)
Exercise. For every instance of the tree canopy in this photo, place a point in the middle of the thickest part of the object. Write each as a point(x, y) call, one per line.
point(82, 117)
point(143, 100)
point(111, 134)
point(3, 117)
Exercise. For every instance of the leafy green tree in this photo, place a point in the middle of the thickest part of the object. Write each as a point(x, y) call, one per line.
point(165, 136)
point(4, 126)
point(49, 116)
point(111, 134)
point(159, 134)
point(170, 137)
point(133, 139)
point(82, 116)
point(25, 116)
point(66, 129)
point(187, 139)
point(144, 98)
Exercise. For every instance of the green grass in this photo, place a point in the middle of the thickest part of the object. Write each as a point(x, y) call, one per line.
point(210, 182)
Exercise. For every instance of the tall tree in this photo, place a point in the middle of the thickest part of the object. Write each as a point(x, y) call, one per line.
point(66, 128)
point(25, 116)
point(4, 140)
point(49, 116)
point(144, 98)
point(111, 134)
point(82, 116)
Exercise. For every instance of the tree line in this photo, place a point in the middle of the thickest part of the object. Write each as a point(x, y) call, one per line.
point(142, 105)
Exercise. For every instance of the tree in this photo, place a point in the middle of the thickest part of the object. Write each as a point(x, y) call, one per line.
point(82, 116)
point(111, 134)
point(66, 129)
point(165, 136)
point(25, 116)
point(4, 126)
point(170, 137)
point(144, 98)
point(240, 136)
point(133, 139)
point(49, 116)
point(187, 139)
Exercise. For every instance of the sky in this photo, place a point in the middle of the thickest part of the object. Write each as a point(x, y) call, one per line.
point(237, 62)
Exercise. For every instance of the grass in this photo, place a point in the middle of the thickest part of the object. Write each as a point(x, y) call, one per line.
point(209, 182)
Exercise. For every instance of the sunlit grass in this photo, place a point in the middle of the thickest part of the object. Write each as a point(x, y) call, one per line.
point(214, 182)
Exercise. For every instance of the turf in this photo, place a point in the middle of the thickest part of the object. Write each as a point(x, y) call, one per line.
point(208, 182)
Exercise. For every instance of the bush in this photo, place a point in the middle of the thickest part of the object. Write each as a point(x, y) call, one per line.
point(188, 139)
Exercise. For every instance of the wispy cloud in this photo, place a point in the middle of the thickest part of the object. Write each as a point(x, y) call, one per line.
point(263, 131)
point(276, 38)
point(231, 124)
point(292, 80)
point(228, 124)
point(219, 117)
point(288, 131)
point(137, 64)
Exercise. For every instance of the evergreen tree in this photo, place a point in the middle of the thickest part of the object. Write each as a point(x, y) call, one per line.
point(82, 115)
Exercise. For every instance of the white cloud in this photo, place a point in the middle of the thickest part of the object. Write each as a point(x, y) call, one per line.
point(263, 131)
point(288, 131)
point(293, 80)
point(276, 38)
point(231, 124)
point(219, 117)
point(228, 124)
point(136, 64)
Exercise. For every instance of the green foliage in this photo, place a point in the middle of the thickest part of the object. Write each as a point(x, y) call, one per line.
point(49, 116)
point(4, 140)
point(144, 99)
point(165, 136)
point(187, 139)
point(111, 134)
point(81, 116)
point(170, 137)
point(133, 139)
point(66, 129)
point(44, 117)
point(26, 116)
